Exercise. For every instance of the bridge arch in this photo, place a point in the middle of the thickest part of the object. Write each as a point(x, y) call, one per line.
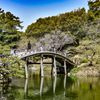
point(68, 64)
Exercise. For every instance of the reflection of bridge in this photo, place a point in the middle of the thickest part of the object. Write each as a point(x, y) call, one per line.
point(62, 58)
point(47, 89)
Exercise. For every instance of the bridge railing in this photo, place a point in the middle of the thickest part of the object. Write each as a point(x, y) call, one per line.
point(24, 52)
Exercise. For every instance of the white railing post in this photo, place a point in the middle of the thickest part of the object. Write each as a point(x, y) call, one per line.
point(41, 49)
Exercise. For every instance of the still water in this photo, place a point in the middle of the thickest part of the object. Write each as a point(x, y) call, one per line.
point(60, 87)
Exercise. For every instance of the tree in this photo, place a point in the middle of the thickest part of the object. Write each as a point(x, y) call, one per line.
point(10, 66)
point(9, 26)
point(57, 39)
point(94, 6)
point(90, 15)
point(92, 29)
point(69, 21)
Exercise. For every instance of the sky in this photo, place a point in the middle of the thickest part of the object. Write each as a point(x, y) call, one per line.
point(30, 10)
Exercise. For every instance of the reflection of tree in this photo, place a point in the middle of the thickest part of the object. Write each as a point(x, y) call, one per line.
point(84, 88)
point(71, 95)
point(87, 88)
point(18, 90)
point(12, 92)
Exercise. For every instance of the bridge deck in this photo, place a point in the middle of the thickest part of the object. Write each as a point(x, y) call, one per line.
point(26, 54)
point(68, 64)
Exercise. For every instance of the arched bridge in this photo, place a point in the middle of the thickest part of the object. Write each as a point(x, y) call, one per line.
point(62, 58)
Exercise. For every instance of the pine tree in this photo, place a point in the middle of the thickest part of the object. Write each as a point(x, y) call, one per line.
point(94, 6)
point(10, 66)
point(9, 26)
point(66, 22)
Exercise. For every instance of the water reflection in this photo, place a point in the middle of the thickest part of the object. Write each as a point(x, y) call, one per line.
point(51, 86)
point(60, 87)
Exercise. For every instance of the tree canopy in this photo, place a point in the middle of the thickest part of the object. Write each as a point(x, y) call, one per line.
point(9, 26)
point(67, 22)
point(94, 6)
point(55, 40)
point(10, 66)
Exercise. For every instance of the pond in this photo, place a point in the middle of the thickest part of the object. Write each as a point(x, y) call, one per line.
point(60, 87)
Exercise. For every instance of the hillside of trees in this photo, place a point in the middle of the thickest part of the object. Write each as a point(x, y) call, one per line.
point(68, 22)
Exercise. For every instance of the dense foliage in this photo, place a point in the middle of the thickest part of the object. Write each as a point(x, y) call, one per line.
point(94, 6)
point(68, 22)
point(10, 66)
point(55, 40)
point(9, 26)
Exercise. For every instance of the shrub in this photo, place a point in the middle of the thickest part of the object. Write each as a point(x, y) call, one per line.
point(98, 61)
point(84, 60)
point(74, 70)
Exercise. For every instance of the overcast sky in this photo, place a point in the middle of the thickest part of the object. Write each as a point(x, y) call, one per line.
point(30, 10)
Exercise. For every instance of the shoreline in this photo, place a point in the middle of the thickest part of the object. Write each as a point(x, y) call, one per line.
point(89, 71)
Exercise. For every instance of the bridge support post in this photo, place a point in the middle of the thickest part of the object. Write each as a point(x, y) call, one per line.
point(26, 88)
point(54, 85)
point(26, 70)
point(65, 65)
point(41, 86)
point(41, 69)
point(64, 85)
point(52, 66)
point(55, 71)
